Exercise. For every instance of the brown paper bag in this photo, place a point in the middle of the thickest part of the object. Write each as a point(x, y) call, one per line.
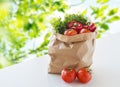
point(71, 51)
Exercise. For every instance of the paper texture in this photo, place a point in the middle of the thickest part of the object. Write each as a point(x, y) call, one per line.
point(71, 51)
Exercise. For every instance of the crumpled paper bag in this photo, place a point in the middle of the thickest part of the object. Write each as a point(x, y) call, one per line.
point(71, 51)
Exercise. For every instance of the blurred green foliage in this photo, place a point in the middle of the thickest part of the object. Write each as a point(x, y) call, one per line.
point(104, 15)
point(24, 20)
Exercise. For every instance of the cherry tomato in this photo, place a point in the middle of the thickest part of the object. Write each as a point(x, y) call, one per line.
point(68, 75)
point(79, 26)
point(84, 75)
point(70, 32)
point(85, 26)
point(75, 24)
point(92, 27)
point(72, 24)
point(84, 31)
point(73, 27)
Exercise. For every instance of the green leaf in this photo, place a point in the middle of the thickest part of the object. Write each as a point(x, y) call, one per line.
point(99, 35)
point(104, 26)
point(84, 12)
point(1, 66)
point(57, 3)
point(99, 15)
point(101, 31)
point(112, 19)
point(61, 9)
point(102, 1)
point(113, 11)
point(102, 8)
point(95, 10)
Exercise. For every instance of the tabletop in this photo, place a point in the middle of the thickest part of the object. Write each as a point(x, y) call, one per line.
point(34, 72)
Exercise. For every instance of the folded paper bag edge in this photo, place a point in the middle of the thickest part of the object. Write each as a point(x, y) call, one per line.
point(75, 38)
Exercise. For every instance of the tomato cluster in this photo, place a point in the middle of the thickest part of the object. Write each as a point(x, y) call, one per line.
point(69, 75)
point(75, 27)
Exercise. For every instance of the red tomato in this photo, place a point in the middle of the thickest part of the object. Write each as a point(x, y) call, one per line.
point(84, 31)
point(70, 32)
point(73, 27)
point(79, 26)
point(75, 24)
point(68, 75)
point(84, 75)
point(72, 24)
point(92, 27)
point(85, 26)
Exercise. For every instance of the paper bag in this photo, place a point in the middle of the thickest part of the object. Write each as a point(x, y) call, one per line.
point(71, 51)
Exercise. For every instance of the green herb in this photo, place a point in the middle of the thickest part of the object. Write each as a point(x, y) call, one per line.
point(60, 25)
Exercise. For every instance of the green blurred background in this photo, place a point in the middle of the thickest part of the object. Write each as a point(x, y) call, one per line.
point(25, 28)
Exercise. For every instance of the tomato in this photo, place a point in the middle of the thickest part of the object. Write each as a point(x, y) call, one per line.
point(85, 26)
point(73, 27)
point(71, 24)
point(79, 26)
point(75, 24)
point(70, 32)
point(84, 75)
point(84, 31)
point(68, 75)
point(92, 27)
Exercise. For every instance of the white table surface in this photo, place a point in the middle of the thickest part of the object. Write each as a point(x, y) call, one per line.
point(33, 73)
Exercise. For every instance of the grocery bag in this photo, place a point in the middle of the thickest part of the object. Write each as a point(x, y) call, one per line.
point(71, 51)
